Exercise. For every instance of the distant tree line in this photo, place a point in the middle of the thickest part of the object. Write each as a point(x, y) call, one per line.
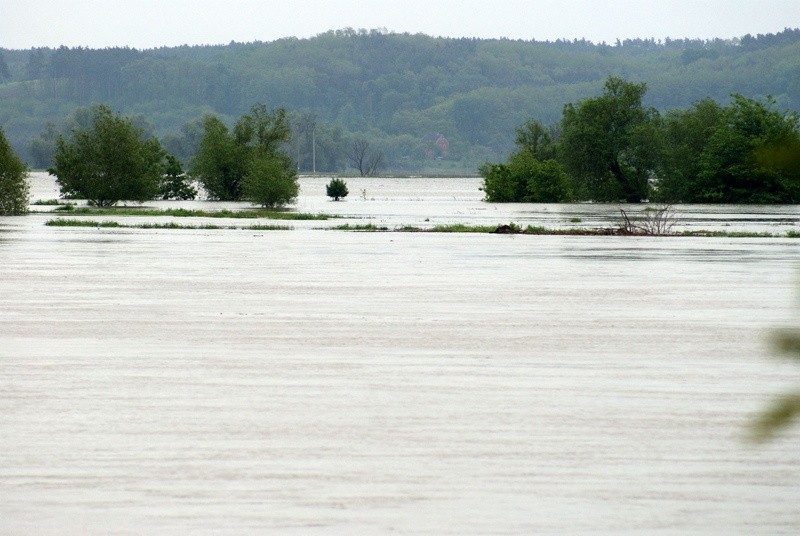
point(614, 148)
point(392, 90)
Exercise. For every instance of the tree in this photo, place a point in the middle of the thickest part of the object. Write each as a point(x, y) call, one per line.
point(36, 67)
point(610, 143)
point(14, 185)
point(174, 183)
point(271, 180)
point(337, 189)
point(220, 164)
point(247, 162)
point(686, 135)
point(525, 179)
point(531, 174)
point(5, 73)
point(537, 139)
point(742, 161)
point(108, 162)
point(367, 161)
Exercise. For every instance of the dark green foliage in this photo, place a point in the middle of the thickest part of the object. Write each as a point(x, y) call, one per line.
point(337, 189)
point(175, 184)
point(271, 180)
point(524, 179)
point(14, 185)
point(531, 175)
point(220, 163)
point(108, 162)
point(537, 140)
point(247, 162)
point(747, 152)
point(610, 143)
point(686, 134)
point(731, 170)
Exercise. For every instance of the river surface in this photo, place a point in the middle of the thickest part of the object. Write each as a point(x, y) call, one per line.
point(323, 382)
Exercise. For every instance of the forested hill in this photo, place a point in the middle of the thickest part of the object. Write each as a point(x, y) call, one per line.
point(400, 92)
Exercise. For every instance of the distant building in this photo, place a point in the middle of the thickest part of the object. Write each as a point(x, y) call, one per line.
point(434, 145)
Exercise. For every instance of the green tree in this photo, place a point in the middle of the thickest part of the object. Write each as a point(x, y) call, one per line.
point(337, 189)
point(686, 136)
point(526, 179)
point(537, 139)
point(738, 164)
point(271, 180)
point(610, 143)
point(220, 163)
point(108, 162)
point(175, 184)
point(14, 185)
point(247, 161)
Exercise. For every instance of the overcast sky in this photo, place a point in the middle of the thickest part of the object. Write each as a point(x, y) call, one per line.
point(154, 23)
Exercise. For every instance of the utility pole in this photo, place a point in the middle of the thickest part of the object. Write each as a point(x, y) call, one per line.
point(314, 148)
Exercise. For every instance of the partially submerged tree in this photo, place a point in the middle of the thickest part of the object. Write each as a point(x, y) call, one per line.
point(531, 174)
point(610, 143)
point(14, 185)
point(739, 163)
point(108, 162)
point(271, 180)
point(525, 179)
point(685, 136)
point(247, 162)
point(219, 164)
point(175, 184)
point(337, 189)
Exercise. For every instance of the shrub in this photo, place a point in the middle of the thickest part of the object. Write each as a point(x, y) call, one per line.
point(525, 179)
point(337, 189)
point(271, 181)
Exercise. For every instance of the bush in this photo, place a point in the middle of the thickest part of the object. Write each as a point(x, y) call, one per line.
point(525, 179)
point(271, 181)
point(337, 189)
point(14, 185)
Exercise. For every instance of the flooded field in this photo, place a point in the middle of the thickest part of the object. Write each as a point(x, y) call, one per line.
point(321, 382)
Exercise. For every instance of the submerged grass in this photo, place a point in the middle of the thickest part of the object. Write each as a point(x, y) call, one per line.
point(194, 213)
point(52, 202)
point(451, 228)
point(64, 222)
point(370, 227)
point(603, 231)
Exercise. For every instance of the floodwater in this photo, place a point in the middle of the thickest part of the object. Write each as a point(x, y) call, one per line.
point(322, 382)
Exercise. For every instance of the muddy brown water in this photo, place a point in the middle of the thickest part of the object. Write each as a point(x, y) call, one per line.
point(317, 382)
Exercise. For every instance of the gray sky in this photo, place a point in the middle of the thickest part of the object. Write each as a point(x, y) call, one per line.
point(154, 23)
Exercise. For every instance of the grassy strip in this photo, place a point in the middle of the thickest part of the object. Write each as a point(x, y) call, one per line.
point(62, 222)
point(531, 230)
point(371, 227)
point(52, 202)
point(187, 213)
point(453, 228)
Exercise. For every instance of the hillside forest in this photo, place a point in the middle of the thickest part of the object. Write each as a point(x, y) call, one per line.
point(424, 104)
